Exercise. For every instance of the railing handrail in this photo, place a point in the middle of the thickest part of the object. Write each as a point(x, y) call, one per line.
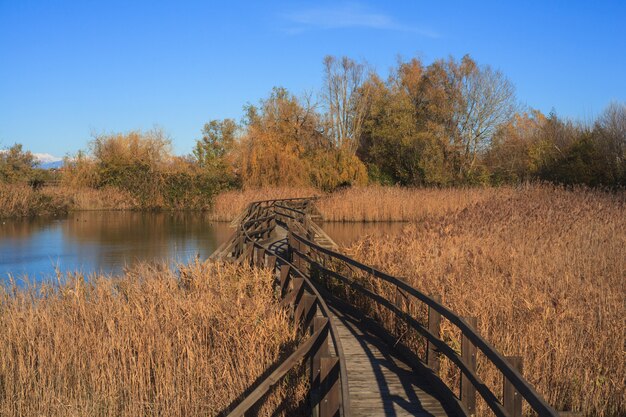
point(309, 344)
point(523, 387)
point(518, 381)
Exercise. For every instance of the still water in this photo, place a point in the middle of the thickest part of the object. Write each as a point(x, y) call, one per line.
point(106, 242)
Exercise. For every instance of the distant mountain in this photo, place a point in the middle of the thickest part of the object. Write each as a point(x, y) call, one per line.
point(47, 161)
point(51, 165)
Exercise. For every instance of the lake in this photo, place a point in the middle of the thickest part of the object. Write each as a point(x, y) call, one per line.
point(107, 241)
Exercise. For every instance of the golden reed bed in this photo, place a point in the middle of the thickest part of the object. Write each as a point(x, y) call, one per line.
point(359, 204)
point(543, 270)
point(20, 200)
point(149, 342)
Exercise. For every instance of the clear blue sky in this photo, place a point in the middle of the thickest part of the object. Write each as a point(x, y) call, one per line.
point(68, 69)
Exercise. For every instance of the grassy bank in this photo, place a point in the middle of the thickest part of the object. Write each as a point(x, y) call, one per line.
point(543, 270)
point(18, 200)
point(150, 342)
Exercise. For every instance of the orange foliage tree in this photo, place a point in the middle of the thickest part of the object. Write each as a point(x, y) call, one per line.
point(285, 145)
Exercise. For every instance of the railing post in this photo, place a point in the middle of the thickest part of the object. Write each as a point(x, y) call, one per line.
point(298, 261)
point(434, 326)
point(271, 262)
point(239, 247)
point(304, 307)
point(329, 375)
point(511, 399)
point(284, 278)
point(316, 359)
point(400, 302)
point(468, 353)
point(289, 246)
point(260, 257)
point(249, 256)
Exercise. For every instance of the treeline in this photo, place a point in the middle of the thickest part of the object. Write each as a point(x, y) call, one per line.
point(449, 123)
point(452, 122)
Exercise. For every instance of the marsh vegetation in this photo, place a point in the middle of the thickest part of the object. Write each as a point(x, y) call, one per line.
point(151, 341)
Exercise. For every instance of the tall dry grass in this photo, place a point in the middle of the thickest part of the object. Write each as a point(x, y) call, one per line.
point(377, 203)
point(105, 198)
point(20, 200)
point(543, 270)
point(357, 204)
point(150, 342)
point(228, 205)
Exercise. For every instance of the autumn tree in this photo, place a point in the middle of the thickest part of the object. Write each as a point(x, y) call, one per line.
point(214, 151)
point(16, 164)
point(285, 144)
point(273, 147)
point(610, 135)
point(517, 150)
point(390, 144)
point(346, 99)
point(586, 154)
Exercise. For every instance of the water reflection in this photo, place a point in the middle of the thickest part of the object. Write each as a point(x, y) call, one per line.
point(104, 241)
point(107, 241)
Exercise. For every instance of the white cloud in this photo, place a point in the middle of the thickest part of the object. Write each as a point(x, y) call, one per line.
point(351, 15)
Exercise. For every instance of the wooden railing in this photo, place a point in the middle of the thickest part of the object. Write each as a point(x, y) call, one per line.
point(328, 394)
point(325, 264)
point(309, 271)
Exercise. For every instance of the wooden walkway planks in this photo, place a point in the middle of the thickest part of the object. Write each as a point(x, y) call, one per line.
point(380, 384)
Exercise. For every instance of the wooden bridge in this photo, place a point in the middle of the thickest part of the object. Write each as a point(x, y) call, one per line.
point(371, 343)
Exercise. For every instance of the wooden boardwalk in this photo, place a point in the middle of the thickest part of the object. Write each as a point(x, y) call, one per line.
point(380, 383)
point(356, 366)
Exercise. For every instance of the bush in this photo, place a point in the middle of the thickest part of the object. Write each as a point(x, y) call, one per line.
point(16, 165)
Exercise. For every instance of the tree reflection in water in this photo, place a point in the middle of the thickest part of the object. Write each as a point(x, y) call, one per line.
point(104, 241)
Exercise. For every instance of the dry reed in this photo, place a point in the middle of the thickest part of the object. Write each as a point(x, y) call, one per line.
point(150, 342)
point(377, 203)
point(18, 200)
point(106, 198)
point(543, 270)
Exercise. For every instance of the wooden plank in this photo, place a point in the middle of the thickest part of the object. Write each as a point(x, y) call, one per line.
point(380, 383)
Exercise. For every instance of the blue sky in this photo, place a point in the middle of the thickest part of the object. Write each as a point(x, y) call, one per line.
point(71, 69)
